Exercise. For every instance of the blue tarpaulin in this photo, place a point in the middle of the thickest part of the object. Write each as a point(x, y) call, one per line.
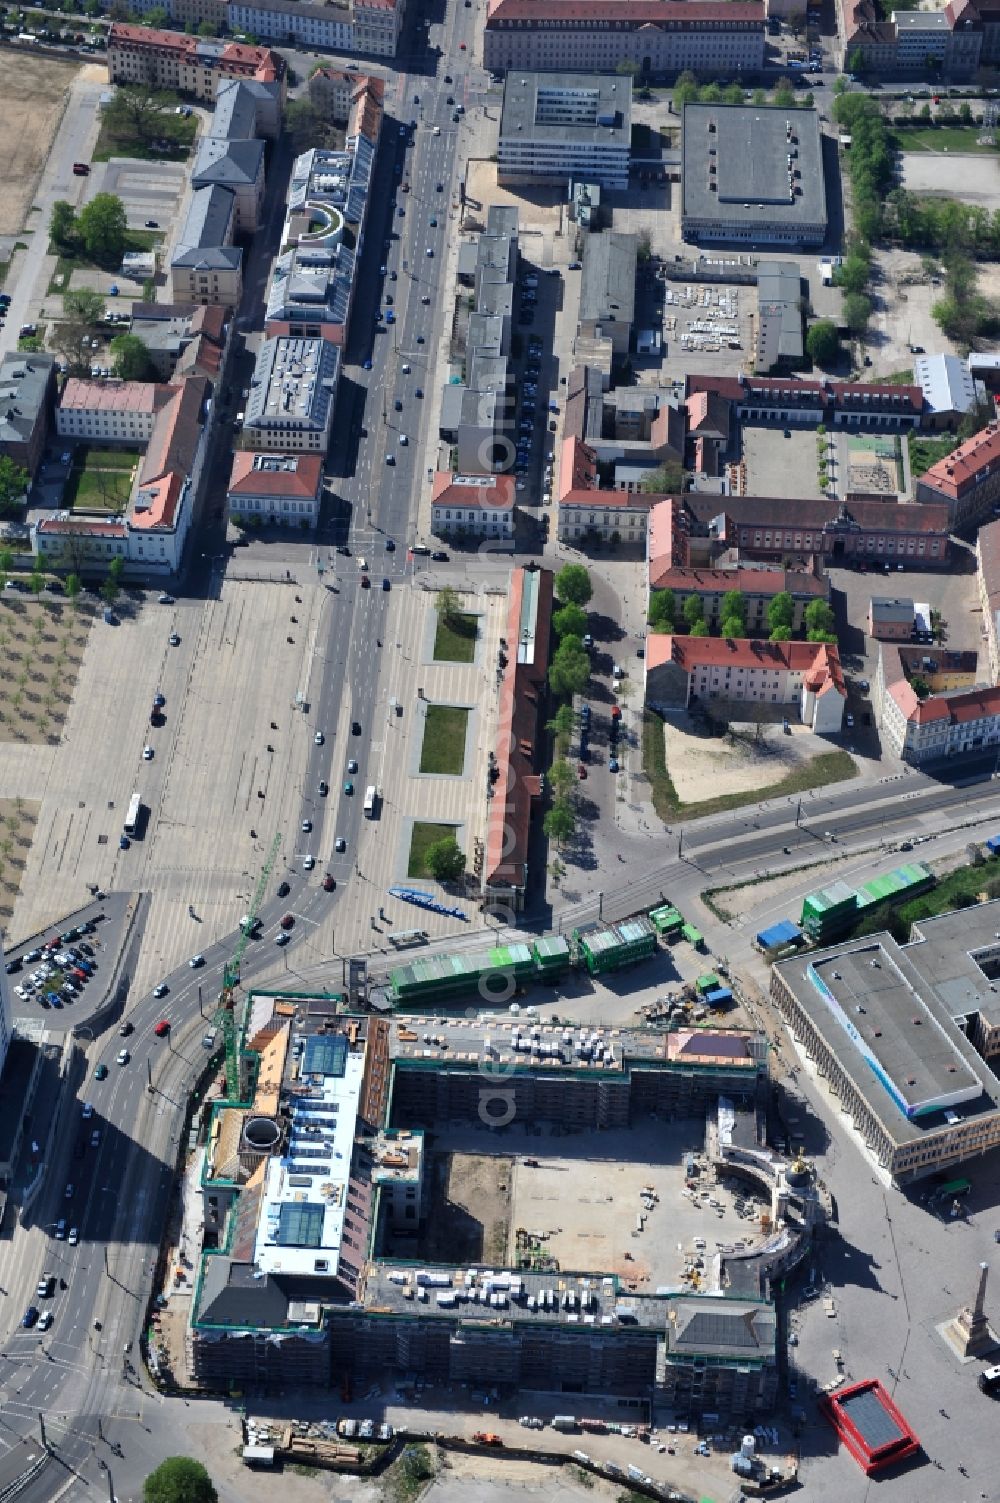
point(785, 933)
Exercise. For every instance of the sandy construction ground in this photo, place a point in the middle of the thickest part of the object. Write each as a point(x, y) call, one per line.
point(703, 767)
point(33, 94)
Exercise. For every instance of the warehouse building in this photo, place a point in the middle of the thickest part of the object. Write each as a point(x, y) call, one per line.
point(752, 173)
point(557, 129)
point(893, 1028)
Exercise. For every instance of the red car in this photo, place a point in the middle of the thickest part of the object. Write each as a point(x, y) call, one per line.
point(616, 712)
point(329, 883)
point(288, 921)
point(162, 1029)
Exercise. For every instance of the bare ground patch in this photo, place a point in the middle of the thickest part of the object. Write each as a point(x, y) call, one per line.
point(470, 1209)
point(33, 93)
point(703, 766)
point(17, 825)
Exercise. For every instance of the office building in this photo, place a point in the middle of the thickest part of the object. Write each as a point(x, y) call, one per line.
point(607, 289)
point(808, 402)
point(713, 38)
point(949, 389)
point(931, 704)
point(587, 514)
point(890, 618)
point(187, 338)
point(752, 173)
point(238, 166)
point(292, 395)
point(950, 43)
point(476, 506)
point(805, 676)
point(779, 342)
point(557, 129)
point(898, 1033)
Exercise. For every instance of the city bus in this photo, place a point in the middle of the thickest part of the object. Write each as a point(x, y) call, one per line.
point(133, 815)
point(371, 797)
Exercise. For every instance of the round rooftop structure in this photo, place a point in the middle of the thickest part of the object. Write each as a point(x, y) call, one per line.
point(261, 1134)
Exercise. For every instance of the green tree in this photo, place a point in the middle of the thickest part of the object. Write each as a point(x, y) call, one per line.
point(73, 587)
point(820, 622)
point(853, 274)
point(784, 97)
point(562, 723)
point(699, 629)
point(131, 357)
point(560, 822)
point(85, 305)
point(208, 29)
point(857, 312)
point(447, 605)
point(157, 17)
point(36, 579)
point(664, 481)
point(780, 613)
point(781, 634)
point(445, 860)
point(306, 126)
point(686, 90)
point(573, 585)
point(569, 672)
point(693, 611)
point(14, 481)
point(733, 607)
point(62, 223)
point(103, 227)
point(179, 1479)
point(628, 68)
point(823, 342)
point(570, 621)
point(562, 778)
point(662, 610)
point(965, 112)
point(141, 112)
point(6, 564)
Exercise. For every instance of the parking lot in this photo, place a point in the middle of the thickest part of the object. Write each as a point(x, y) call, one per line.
point(149, 190)
point(780, 461)
point(953, 594)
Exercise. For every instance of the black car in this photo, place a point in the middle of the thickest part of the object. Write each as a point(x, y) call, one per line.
point(439, 557)
point(283, 889)
point(324, 788)
point(30, 1317)
point(355, 727)
point(13, 966)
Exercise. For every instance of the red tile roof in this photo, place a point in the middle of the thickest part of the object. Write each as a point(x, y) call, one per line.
point(748, 581)
point(817, 661)
point(236, 59)
point(497, 494)
point(170, 455)
point(83, 529)
point(522, 696)
point(967, 466)
point(988, 548)
point(843, 395)
point(302, 481)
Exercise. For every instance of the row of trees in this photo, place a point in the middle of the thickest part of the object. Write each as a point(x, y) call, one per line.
point(687, 90)
point(569, 674)
point(664, 615)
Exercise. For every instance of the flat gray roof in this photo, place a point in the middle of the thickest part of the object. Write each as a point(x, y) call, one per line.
point(779, 310)
point(748, 147)
point(892, 1032)
point(607, 286)
point(565, 108)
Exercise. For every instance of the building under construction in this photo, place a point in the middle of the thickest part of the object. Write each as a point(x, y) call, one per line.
point(305, 1185)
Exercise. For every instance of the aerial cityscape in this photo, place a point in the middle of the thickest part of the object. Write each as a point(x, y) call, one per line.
point(499, 750)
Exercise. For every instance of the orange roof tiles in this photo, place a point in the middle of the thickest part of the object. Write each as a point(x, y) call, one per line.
point(967, 466)
point(302, 481)
point(819, 661)
point(459, 490)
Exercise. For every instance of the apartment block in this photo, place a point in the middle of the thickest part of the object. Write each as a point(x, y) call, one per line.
point(206, 267)
point(943, 44)
point(714, 38)
point(932, 705)
point(557, 129)
point(238, 167)
point(27, 396)
point(988, 579)
point(587, 513)
point(607, 289)
point(966, 481)
point(191, 65)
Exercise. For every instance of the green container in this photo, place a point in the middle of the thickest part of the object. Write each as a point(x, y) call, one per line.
point(666, 920)
point(552, 955)
point(608, 949)
point(708, 983)
point(693, 936)
point(445, 976)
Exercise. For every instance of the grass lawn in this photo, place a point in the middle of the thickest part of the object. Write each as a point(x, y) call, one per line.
point(927, 451)
point(423, 836)
point(455, 640)
point(443, 749)
point(828, 767)
point(100, 480)
point(182, 133)
point(942, 138)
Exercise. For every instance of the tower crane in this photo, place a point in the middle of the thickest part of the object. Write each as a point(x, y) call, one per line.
point(225, 1017)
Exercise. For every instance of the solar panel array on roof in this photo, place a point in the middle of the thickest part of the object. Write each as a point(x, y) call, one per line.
point(325, 1054)
point(871, 1419)
point(300, 1225)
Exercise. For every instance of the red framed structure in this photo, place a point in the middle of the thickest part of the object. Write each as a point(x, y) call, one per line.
point(870, 1425)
